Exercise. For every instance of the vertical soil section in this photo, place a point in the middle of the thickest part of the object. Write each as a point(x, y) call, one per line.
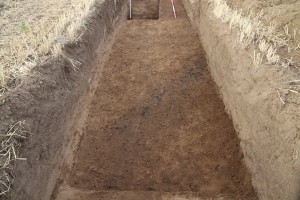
point(268, 129)
point(156, 122)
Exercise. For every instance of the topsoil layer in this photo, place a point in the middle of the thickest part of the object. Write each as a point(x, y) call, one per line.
point(156, 122)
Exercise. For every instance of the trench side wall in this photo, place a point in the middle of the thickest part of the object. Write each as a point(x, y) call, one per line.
point(268, 129)
point(54, 101)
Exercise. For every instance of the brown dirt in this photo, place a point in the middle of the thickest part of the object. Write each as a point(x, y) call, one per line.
point(156, 122)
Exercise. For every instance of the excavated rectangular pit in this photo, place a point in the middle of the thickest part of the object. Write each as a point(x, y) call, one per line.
point(145, 9)
point(156, 125)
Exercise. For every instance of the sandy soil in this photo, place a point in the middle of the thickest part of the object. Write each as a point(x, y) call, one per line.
point(157, 123)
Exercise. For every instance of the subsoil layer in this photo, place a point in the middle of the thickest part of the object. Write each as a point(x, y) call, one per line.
point(156, 122)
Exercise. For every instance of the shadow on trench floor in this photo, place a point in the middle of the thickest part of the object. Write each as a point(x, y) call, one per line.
point(157, 125)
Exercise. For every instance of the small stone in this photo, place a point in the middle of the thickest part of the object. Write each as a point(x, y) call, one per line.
point(277, 2)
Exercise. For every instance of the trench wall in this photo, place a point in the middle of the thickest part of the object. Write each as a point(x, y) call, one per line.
point(269, 131)
point(53, 101)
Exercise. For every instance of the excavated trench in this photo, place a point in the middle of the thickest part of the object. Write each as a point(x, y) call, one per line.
point(140, 116)
point(156, 128)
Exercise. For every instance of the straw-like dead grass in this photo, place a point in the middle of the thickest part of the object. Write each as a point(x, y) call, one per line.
point(32, 31)
point(10, 143)
point(267, 39)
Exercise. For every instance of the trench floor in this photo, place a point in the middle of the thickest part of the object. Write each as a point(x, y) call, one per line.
point(157, 128)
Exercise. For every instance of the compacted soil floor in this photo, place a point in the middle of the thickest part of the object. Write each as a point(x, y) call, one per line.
point(157, 128)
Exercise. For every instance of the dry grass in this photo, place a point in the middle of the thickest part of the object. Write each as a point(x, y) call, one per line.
point(252, 30)
point(32, 31)
point(10, 143)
